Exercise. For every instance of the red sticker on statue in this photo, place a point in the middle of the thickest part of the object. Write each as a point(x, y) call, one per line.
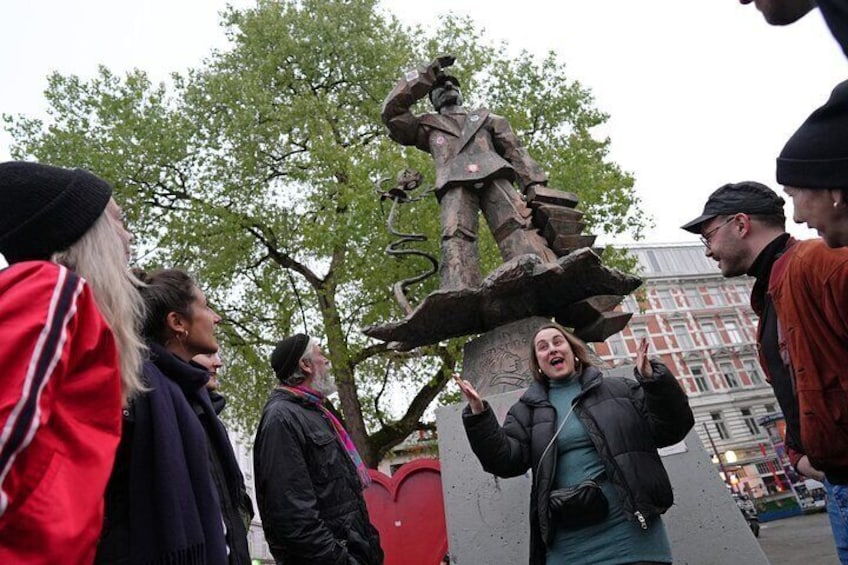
point(440, 140)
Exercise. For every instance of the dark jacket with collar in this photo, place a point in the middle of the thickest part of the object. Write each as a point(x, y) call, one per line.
point(773, 358)
point(308, 491)
point(175, 475)
point(626, 420)
point(236, 507)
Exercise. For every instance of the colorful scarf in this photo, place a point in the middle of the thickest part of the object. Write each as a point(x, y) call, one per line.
point(318, 400)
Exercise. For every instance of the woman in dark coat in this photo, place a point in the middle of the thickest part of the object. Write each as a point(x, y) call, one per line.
point(176, 486)
point(599, 485)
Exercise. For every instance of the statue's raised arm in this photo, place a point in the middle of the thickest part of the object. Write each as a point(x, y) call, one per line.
point(416, 83)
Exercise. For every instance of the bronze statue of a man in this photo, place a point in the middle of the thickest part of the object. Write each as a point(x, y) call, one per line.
point(477, 157)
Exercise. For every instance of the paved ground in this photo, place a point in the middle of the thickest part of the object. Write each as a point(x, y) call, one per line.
point(801, 540)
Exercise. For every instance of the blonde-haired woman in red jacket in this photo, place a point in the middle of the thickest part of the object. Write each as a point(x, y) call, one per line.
point(70, 354)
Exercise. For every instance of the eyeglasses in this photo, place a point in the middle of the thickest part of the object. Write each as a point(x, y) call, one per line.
point(705, 239)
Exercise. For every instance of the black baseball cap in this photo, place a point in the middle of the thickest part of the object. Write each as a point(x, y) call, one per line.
point(747, 197)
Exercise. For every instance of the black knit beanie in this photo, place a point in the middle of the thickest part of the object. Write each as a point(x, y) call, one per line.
point(816, 156)
point(46, 209)
point(286, 355)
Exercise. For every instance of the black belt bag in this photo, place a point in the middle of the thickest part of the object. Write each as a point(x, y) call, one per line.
point(576, 507)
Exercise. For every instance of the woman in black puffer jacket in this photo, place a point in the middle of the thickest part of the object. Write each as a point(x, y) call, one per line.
point(599, 485)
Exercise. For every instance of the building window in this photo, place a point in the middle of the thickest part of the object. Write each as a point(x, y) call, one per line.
point(769, 408)
point(750, 422)
point(753, 370)
point(630, 304)
point(733, 333)
point(735, 296)
point(709, 332)
point(720, 426)
point(715, 296)
point(639, 332)
point(693, 296)
point(616, 345)
point(666, 300)
point(770, 468)
point(729, 372)
point(682, 336)
point(700, 378)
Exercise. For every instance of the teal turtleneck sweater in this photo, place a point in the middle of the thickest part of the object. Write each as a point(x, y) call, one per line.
point(617, 540)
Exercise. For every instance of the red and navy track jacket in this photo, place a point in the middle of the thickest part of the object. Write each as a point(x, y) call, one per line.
point(60, 415)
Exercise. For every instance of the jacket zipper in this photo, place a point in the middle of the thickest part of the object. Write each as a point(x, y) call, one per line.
point(638, 514)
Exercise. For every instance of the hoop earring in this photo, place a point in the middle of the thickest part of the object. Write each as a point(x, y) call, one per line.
point(182, 336)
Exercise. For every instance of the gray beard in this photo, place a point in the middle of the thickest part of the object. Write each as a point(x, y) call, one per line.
point(324, 385)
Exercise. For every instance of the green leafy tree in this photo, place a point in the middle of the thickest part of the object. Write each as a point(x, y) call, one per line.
point(256, 171)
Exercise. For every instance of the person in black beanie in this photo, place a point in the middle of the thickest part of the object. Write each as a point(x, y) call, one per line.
point(813, 169)
point(309, 475)
point(71, 357)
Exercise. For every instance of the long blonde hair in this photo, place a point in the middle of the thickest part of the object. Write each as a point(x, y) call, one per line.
point(99, 257)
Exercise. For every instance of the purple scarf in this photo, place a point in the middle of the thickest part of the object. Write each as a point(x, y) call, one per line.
point(341, 433)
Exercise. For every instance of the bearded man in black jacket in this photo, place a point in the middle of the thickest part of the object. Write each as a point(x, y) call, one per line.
point(309, 476)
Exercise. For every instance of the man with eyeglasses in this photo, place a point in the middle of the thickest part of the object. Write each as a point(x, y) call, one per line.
point(801, 297)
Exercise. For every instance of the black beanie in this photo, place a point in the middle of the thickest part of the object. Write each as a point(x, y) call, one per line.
point(816, 156)
point(286, 355)
point(46, 209)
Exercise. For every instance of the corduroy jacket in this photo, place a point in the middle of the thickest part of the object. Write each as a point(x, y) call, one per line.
point(809, 287)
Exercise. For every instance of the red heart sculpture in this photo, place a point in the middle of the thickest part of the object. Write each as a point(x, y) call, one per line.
point(408, 511)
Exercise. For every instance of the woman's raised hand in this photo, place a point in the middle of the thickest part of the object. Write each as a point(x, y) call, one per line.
point(643, 365)
point(470, 394)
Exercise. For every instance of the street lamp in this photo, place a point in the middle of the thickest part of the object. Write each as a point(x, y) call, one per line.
point(722, 471)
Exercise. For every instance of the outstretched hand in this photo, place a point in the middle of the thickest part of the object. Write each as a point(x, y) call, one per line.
point(643, 365)
point(471, 395)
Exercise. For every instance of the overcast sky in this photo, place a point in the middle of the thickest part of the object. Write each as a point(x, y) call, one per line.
point(699, 92)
